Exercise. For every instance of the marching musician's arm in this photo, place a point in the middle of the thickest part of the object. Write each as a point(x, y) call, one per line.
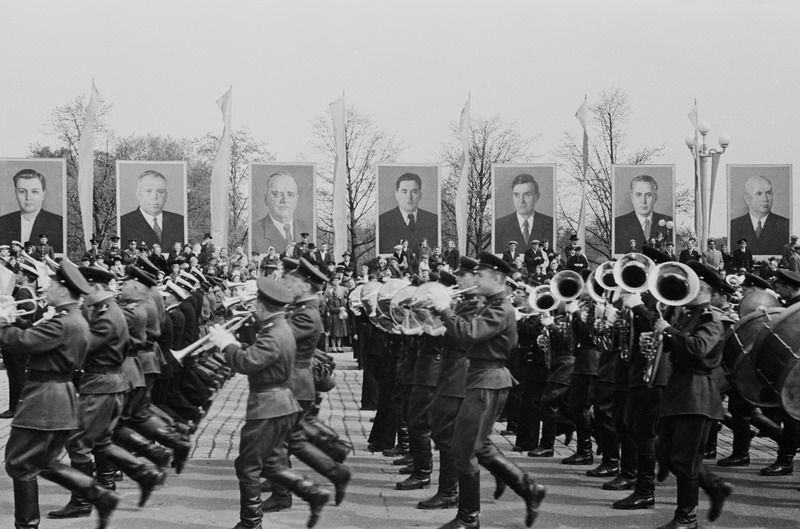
point(694, 345)
point(251, 359)
point(302, 325)
point(34, 340)
point(490, 323)
point(100, 331)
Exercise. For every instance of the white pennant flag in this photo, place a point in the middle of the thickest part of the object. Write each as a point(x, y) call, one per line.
point(86, 166)
point(462, 189)
point(221, 175)
point(339, 179)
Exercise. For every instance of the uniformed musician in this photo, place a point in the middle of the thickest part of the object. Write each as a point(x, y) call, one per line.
point(490, 336)
point(48, 410)
point(271, 408)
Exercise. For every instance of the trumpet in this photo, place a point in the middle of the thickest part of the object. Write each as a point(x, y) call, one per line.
point(672, 284)
point(229, 302)
point(13, 313)
point(230, 325)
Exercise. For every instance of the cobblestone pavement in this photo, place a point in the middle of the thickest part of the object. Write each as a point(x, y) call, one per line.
point(205, 495)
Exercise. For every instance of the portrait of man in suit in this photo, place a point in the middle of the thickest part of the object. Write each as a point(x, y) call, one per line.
point(31, 220)
point(525, 223)
point(279, 226)
point(766, 232)
point(407, 220)
point(643, 222)
point(149, 222)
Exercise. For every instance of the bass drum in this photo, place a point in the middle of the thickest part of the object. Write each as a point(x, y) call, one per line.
point(738, 358)
point(775, 359)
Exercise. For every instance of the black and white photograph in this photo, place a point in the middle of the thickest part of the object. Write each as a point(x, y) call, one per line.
point(644, 209)
point(408, 206)
point(524, 205)
point(760, 207)
point(283, 204)
point(151, 198)
point(33, 203)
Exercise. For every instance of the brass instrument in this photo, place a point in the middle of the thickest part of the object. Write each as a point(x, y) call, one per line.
point(354, 297)
point(630, 274)
point(672, 284)
point(567, 285)
point(541, 299)
point(232, 301)
point(8, 310)
point(411, 309)
point(231, 325)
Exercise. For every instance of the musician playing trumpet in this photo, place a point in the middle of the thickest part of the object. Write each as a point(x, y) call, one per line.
point(691, 401)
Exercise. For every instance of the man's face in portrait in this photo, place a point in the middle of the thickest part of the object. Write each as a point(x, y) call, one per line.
point(30, 195)
point(758, 196)
point(525, 198)
point(643, 197)
point(281, 197)
point(151, 192)
point(408, 195)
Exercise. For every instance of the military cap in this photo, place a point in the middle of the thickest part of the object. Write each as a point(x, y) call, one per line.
point(273, 292)
point(707, 274)
point(466, 265)
point(189, 278)
point(304, 234)
point(69, 276)
point(207, 236)
point(511, 283)
point(787, 277)
point(349, 254)
point(184, 283)
point(147, 265)
point(143, 245)
point(398, 247)
point(136, 273)
point(655, 254)
point(114, 238)
point(177, 291)
point(17, 243)
point(489, 261)
point(96, 275)
point(573, 237)
point(752, 280)
point(512, 242)
point(5, 247)
point(132, 241)
point(447, 279)
point(309, 272)
point(43, 236)
point(290, 264)
point(198, 274)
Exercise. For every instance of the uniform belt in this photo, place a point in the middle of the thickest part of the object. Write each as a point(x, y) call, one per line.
point(100, 370)
point(44, 376)
point(258, 388)
point(302, 364)
point(486, 364)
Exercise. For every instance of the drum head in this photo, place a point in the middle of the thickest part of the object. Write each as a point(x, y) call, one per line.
point(738, 355)
point(790, 392)
point(773, 354)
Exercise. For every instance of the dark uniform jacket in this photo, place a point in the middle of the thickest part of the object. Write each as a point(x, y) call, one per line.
point(268, 364)
point(694, 343)
point(490, 336)
point(136, 320)
point(587, 355)
point(429, 361)
point(108, 343)
point(306, 324)
point(453, 369)
point(55, 348)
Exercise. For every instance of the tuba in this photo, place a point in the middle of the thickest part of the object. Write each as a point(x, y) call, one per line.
point(630, 274)
point(672, 284)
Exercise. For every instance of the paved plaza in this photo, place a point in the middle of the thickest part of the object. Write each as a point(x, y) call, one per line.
point(205, 495)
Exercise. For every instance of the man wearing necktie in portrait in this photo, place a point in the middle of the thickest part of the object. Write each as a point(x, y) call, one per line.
point(149, 222)
point(766, 231)
point(408, 220)
point(528, 221)
point(643, 222)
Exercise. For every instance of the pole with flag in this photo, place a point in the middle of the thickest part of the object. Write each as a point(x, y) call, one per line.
point(582, 115)
point(340, 210)
point(86, 166)
point(221, 175)
point(462, 189)
point(699, 213)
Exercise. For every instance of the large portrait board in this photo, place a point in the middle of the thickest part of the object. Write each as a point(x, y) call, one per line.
point(283, 204)
point(151, 202)
point(643, 200)
point(760, 207)
point(33, 201)
point(408, 206)
point(524, 205)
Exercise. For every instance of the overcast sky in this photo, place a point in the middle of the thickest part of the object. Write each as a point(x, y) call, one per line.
point(409, 65)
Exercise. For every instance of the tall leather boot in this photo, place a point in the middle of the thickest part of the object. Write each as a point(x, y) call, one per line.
point(26, 504)
point(315, 496)
point(78, 506)
point(401, 448)
point(134, 442)
point(105, 501)
point(250, 514)
point(469, 503)
point(321, 463)
point(281, 497)
point(157, 430)
point(766, 426)
point(447, 494)
point(520, 482)
point(325, 438)
point(147, 477)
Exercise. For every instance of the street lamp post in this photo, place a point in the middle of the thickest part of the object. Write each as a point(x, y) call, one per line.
point(706, 165)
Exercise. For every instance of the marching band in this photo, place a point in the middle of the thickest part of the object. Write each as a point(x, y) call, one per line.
point(639, 355)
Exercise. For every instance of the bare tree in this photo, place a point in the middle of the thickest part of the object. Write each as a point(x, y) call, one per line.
point(492, 142)
point(366, 146)
point(244, 150)
point(609, 117)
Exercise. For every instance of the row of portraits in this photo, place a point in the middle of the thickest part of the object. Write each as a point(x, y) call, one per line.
point(152, 205)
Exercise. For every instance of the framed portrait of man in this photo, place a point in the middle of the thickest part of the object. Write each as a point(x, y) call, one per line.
point(283, 204)
point(151, 202)
point(524, 205)
point(33, 203)
point(760, 207)
point(408, 206)
point(643, 206)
